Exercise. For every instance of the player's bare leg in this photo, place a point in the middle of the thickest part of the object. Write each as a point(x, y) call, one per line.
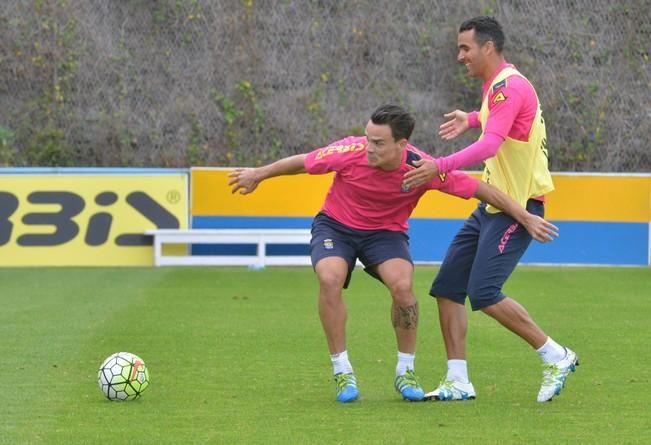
point(454, 326)
point(513, 316)
point(558, 361)
point(397, 275)
point(332, 272)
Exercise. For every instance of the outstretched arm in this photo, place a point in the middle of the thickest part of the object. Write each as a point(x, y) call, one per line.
point(496, 130)
point(540, 229)
point(245, 180)
point(471, 155)
point(458, 122)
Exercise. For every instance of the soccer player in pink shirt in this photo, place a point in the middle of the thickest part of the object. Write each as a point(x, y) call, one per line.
point(364, 217)
point(513, 144)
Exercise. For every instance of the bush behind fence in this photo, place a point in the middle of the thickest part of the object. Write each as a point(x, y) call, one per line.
point(233, 82)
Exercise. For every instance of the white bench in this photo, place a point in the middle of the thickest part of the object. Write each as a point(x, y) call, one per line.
point(259, 237)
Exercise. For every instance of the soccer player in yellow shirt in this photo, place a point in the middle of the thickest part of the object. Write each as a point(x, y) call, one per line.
point(487, 248)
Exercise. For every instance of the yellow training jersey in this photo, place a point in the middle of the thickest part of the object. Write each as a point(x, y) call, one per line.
point(519, 169)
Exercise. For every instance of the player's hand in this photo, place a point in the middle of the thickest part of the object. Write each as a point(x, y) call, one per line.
point(541, 230)
point(424, 172)
point(244, 180)
point(456, 124)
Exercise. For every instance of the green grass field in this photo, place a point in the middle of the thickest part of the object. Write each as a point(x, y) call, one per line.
point(239, 357)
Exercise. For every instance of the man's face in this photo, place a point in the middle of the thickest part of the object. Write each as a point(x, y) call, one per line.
point(471, 54)
point(382, 151)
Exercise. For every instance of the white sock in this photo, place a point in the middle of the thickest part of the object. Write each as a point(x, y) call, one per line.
point(405, 362)
point(458, 371)
point(340, 363)
point(551, 352)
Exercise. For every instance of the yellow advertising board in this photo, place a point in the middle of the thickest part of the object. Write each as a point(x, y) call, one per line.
point(87, 219)
point(576, 197)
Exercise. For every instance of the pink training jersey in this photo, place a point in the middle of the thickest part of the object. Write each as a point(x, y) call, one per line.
point(512, 104)
point(368, 198)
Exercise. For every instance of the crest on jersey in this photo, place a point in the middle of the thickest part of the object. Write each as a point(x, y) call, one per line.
point(499, 97)
point(328, 244)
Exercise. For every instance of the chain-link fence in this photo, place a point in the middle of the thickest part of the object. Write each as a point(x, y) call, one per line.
point(226, 82)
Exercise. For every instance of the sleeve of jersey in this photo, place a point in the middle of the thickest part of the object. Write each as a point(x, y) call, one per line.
point(473, 154)
point(333, 156)
point(473, 119)
point(503, 105)
point(456, 183)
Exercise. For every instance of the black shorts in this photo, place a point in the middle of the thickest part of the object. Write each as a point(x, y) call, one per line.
point(372, 247)
point(482, 256)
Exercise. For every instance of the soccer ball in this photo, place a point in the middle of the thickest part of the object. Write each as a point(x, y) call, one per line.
point(123, 376)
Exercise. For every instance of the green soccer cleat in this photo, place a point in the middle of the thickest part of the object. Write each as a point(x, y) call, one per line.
point(407, 385)
point(555, 376)
point(449, 390)
point(346, 387)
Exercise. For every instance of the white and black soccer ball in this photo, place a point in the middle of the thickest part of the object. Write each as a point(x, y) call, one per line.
point(123, 376)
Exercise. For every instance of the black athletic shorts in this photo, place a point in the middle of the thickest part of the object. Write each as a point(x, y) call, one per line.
point(482, 256)
point(371, 247)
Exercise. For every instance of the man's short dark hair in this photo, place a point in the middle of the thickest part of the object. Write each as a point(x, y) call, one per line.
point(486, 28)
point(401, 122)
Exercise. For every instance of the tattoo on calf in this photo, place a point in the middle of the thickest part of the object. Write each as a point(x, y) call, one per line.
point(405, 317)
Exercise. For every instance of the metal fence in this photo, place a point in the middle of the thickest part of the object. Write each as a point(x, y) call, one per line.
point(232, 82)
